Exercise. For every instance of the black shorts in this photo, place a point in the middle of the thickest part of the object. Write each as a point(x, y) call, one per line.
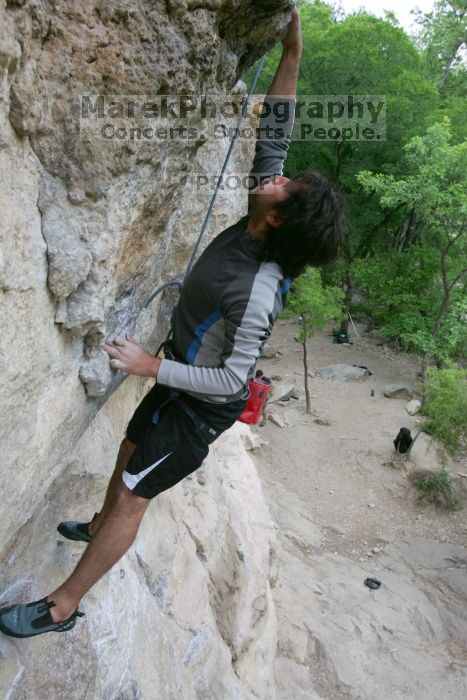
point(172, 441)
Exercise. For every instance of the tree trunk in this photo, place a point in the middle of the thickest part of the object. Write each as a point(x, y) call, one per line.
point(448, 286)
point(305, 369)
point(344, 328)
point(449, 63)
point(441, 313)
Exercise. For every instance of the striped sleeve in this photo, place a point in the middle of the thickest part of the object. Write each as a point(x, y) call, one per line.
point(247, 327)
point(273, 137)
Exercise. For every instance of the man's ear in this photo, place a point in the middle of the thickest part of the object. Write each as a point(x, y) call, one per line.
point(273, 219)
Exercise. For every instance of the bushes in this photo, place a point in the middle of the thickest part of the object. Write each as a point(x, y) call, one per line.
point(402, 294)
point(437, 488)
point(445, 406)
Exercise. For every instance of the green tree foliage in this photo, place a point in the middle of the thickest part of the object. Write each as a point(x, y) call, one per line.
point(405, 196)
point(358, 55)
point(445, 406)
point(315, 304)
point(418, 291)
point(442, 38)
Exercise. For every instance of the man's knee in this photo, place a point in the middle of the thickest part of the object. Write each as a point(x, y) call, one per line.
point(127, 501)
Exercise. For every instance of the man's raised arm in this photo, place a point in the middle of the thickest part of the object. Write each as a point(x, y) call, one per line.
point(284, 83)
point(276, 124)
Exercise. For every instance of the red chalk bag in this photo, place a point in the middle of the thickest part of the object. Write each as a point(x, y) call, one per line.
point(259, 391)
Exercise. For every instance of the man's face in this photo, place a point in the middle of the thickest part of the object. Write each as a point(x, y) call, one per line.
point(272, 189)
point(264, 198)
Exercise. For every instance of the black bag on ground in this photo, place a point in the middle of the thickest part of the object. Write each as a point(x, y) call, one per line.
point(403, 440)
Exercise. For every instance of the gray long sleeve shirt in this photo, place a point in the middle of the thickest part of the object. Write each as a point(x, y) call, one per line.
point(230, 300)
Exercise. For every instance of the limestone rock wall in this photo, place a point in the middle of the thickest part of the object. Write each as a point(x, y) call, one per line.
point(88, 230)
point(187, 613)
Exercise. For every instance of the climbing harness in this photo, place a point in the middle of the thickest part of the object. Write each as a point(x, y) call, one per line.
point(178, 281)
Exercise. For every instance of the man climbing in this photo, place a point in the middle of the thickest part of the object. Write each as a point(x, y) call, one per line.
point(226, 311)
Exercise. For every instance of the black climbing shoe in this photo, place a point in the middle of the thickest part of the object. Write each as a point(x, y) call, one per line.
point(73, 530)
point(28, 620)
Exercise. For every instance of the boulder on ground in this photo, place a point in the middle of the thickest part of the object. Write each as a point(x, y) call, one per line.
point(251, 441)
point(276, 419)
point(427, 455)
point(269, 352)
point(281, 392)
point(398, 391)
point(322, 421)
point(413, 407)
point(343, 373)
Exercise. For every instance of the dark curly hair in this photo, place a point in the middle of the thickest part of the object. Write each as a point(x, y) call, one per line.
point(312, 228)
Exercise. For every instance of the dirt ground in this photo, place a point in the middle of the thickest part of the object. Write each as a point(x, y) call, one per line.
point(343, 513)
point(343, 470)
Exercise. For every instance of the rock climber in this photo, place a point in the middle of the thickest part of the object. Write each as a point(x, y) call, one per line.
point(226, 311)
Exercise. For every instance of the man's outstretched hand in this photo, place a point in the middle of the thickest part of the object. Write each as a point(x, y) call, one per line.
point(284, 82)
point(293, 38)
point(130, 357)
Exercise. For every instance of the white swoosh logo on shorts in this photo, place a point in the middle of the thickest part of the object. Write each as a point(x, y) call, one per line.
point(131, 480)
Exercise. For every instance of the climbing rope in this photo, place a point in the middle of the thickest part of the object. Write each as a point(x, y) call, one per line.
point(178, 281)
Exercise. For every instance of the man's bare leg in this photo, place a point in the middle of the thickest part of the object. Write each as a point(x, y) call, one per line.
point(124, 453)
point(115, 535)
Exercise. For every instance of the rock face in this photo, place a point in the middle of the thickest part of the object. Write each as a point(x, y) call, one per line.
point(187, 613)
point(321, 652)
point(89, 229)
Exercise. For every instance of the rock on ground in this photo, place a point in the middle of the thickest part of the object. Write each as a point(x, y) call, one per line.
point(426, 458)
point(277, 419)
point(398, 391)
point(427, 454)
point(269, 352)
point(343, 373)
point(281, 392)
point(413, 407)
point(251, 441)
